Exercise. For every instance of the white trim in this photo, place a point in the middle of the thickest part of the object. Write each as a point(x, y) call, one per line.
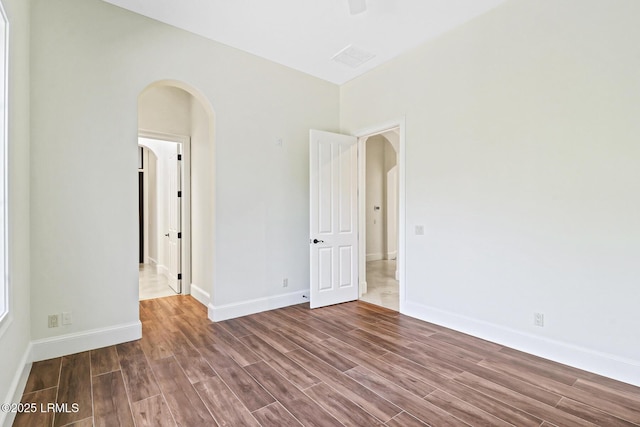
point(146, 154)
point(618, 368)
point(6, 319)
point(200, 295)
point(77, 342)
point(363, 287)
point(14, 394)
point(362, 216)
point(244, 308)
point(374, 257)
point(163, 270)
point(6, 291)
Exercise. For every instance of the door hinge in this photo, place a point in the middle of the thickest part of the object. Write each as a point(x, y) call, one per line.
point(179, 276)
point(179, 235)
point(179, 156)
point(179, 193)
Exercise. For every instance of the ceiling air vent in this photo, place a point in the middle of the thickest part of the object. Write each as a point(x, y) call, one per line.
point(352, 56)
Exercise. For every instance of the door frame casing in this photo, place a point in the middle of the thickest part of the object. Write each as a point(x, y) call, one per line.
point(363, 135)
point(185, 251)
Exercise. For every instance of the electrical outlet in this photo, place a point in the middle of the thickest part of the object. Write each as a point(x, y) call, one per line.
point(67, 319)
point(285, 282)
point(538, 319)
point(53, 320)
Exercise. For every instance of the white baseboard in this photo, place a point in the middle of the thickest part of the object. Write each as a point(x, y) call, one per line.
point(61, 345)
point(17, 387)
point(608, 365)
point(152, 261)
point(374, 257)
point(362, 287)
point(244, 308)
point(163, 270)
point(200, 295)
point(392, 255)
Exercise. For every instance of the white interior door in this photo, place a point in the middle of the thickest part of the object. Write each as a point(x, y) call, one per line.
point(175, 210)
point(333, 218)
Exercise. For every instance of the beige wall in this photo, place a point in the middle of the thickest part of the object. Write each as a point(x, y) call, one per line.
point(522, 162)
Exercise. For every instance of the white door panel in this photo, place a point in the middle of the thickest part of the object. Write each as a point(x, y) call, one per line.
point(333, 218)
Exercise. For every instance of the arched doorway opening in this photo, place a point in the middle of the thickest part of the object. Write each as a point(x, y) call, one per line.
point(176, 116)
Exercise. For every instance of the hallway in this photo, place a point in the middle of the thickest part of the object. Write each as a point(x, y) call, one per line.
point(153, 284)
point(382, 287)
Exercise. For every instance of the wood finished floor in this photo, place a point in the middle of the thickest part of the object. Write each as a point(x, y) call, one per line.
point(352, 364)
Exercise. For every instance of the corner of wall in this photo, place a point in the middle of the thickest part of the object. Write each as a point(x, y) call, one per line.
point(200, 295)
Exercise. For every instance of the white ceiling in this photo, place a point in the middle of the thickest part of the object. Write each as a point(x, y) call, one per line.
point(306, 34)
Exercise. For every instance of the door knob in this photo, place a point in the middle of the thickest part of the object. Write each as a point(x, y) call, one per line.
point(316, 241)
point(166, 235)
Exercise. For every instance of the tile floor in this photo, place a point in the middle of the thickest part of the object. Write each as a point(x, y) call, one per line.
point(153, 284)
point(382, 287)
point(352, 364)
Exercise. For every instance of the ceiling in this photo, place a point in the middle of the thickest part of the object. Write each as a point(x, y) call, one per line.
point(307, 34)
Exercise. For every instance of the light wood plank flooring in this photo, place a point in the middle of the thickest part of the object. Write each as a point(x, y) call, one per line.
point(352, 364)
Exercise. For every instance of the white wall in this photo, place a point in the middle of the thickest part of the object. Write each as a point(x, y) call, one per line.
point(375, 197)
point(390, 205)
point(151, 173)
point(14, 330)
point(392, 213)
point(165, 109)
point(91, 60)
point(381, 224)
point(522, 164)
